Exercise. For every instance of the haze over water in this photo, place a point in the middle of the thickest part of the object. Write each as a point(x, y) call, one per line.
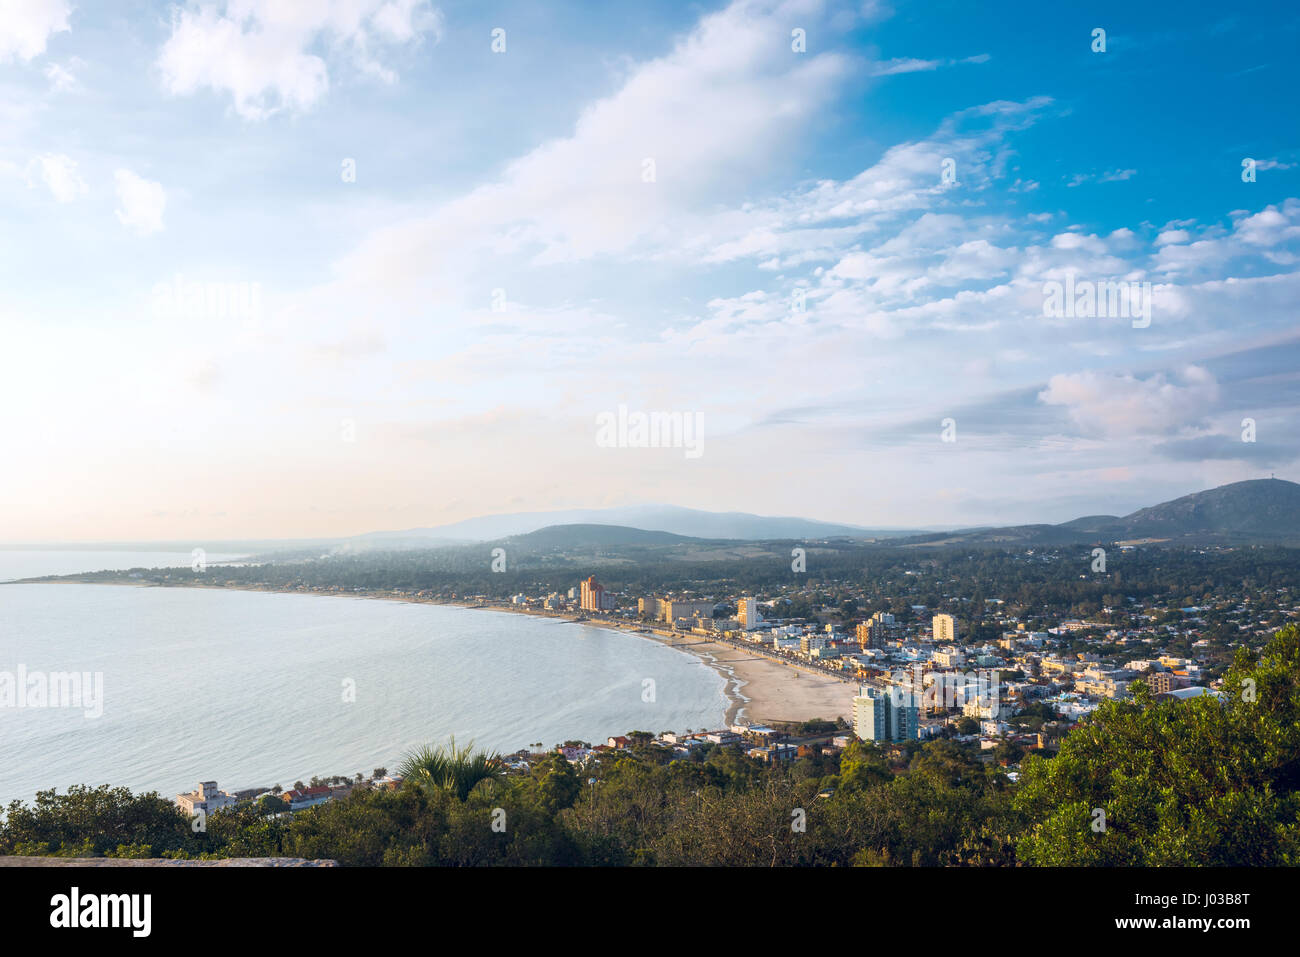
point(247, 687)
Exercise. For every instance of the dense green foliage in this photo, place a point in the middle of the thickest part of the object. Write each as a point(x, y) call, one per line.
point(1207, 781)
point(458, 770)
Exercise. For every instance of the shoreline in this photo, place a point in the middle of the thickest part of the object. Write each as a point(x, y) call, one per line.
point(756, 688)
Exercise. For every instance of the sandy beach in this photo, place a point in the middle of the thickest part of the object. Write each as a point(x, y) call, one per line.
point(762, 690)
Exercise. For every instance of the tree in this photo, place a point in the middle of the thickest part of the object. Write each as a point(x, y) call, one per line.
point(271, 804)
point(861, 766)
point(93, 821)
point(453, 769)
point(1207, 781)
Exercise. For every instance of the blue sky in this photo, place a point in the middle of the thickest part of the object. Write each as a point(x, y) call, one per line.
point(437, 337)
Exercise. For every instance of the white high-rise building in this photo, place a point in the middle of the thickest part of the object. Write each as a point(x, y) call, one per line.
point(747, 613)
point(945, 629)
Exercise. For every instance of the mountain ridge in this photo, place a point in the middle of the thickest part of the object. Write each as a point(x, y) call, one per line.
point(1252, 511)
point(1255, 510)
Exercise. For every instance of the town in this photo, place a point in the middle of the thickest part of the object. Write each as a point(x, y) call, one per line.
point(1017, 686)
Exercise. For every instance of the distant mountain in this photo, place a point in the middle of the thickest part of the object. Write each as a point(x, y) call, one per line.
point(1256, 511)
point(1260, 510)
point(690, 522)
point(577, 536)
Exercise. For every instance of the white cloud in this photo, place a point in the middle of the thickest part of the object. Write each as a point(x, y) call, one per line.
point(61, 79)
point(913, 65)
point(1110, 176)
point(141, 202)
point(26, 26)
point(709, 115)
point(261, 54)
point(904, 65)
point(1252, 235)
point(59, 173)
point(1115, 406)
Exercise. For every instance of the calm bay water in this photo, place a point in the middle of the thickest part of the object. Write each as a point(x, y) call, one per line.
point(247, 688)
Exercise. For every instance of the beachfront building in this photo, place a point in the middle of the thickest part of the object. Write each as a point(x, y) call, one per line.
point(880, 716)
point(810, 643)
point(650, 607)
point(206, 799)
point(747, 613)
point(945, 629)
point(680, 609)
point(594, 597)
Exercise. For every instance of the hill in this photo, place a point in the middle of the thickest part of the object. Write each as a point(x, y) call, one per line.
point(690, 522)
point(578, 536)
point(1258, 511)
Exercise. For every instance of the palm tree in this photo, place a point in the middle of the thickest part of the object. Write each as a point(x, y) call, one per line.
point(450, 768)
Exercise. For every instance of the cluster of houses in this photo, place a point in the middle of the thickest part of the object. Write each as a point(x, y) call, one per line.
point(757, 741)
point(207, 797)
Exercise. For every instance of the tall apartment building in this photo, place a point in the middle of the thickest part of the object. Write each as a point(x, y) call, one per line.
point(872, 634)
point(650, 607)
point(678, 608)
point(594, 597)
point(945, 629)
point(747, 613)
point(876, 631)
point(877, 718)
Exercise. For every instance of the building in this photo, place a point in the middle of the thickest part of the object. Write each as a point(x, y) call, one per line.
point(945, 629)
point(594, 597)
point(747, 613)
point(877, 631)
point(810, 643)
point(678, 609)
point(650, 607)
point(1163, 682)
point(206, 799)
point(301, 798)
point(880, 716)
point(773, 753)
point(1184, 694)
point(948, 658)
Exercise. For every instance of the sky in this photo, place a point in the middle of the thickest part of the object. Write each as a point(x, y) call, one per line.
point(312, 269)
